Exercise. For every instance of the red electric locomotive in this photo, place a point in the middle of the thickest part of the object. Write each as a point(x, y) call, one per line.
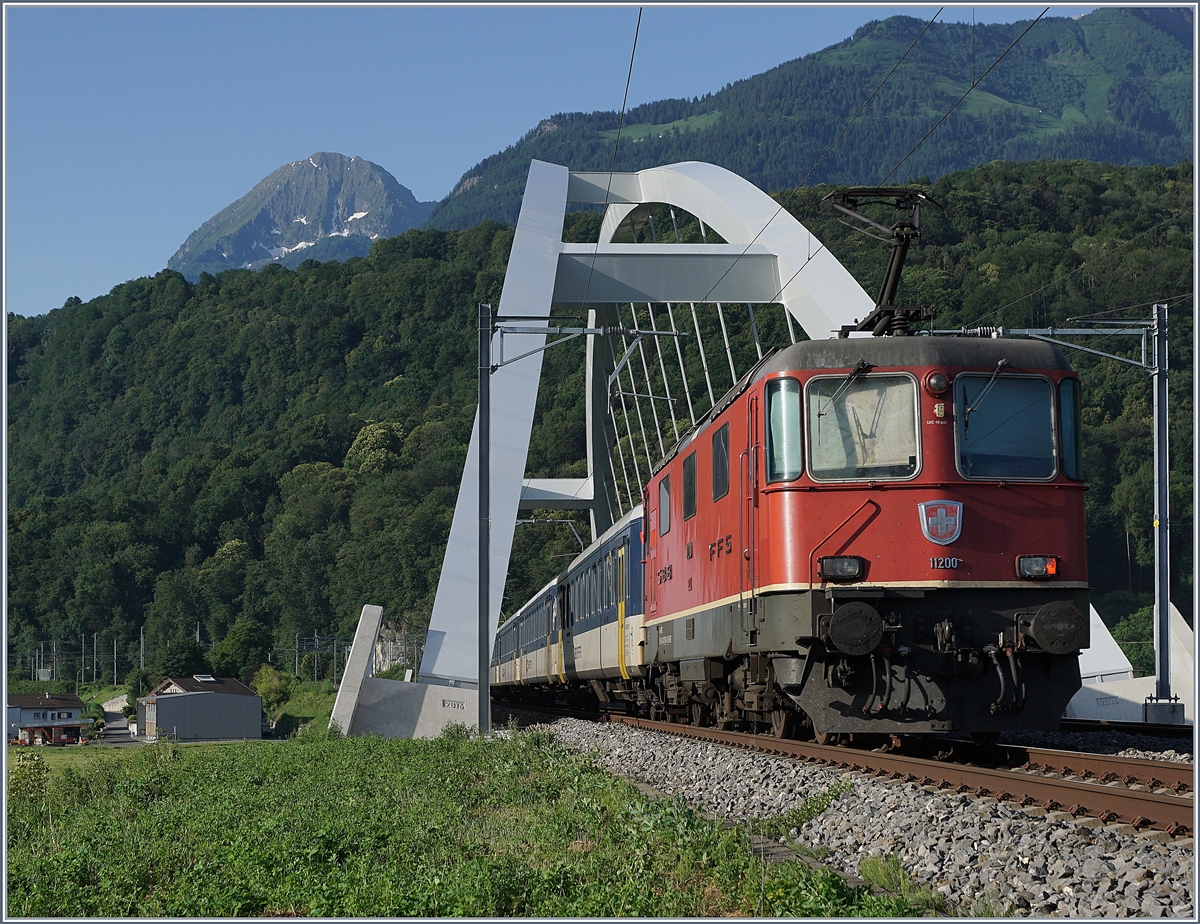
point(874, 535)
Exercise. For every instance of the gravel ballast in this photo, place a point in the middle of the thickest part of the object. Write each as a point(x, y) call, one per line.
point(966, 848)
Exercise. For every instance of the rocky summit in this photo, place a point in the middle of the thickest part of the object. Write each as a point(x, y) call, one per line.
point(324, 207)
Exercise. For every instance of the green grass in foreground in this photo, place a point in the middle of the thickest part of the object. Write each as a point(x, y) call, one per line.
point(372, 827)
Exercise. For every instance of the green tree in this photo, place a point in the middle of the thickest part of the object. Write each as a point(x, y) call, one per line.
point(1135, 635)
point(182, 657)
point(241, 651)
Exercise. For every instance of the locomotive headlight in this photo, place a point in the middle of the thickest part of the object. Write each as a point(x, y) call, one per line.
point(1037, 566)
point(840, 567)
point(936, 383)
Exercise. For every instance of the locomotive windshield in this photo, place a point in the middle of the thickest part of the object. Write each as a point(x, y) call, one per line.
point(862, 429)
point(1009, 432)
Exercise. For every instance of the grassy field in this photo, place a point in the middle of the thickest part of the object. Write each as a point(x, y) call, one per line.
point(324, 826)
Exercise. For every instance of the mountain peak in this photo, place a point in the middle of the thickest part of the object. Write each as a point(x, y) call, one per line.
point(326, 206)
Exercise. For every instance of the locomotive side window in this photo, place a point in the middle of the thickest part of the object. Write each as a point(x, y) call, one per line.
point(689, 487)
point(1072, 440)
point(862, 428)
point(783, 430)
point(664, 505)
point(1004, 426)
point(720, 463)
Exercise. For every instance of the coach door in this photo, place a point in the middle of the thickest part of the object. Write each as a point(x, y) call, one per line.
point(566, 618)
point(748, 521)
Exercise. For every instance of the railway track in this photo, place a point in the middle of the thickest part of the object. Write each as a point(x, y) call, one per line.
point(1143, 793)
point(1128, 728)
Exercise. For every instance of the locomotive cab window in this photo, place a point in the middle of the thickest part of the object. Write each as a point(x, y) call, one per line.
point(784, 459)
point(664, 505)
point(720, 463)
point(1004, 426)
point(862, 428)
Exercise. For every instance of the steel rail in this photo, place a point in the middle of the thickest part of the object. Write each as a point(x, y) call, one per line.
point(1109, 803)
point(1105, 768)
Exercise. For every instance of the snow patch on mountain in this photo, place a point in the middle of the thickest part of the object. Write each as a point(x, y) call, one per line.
point(277, 252)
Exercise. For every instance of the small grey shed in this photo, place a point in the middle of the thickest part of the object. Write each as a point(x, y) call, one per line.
point(200, 708)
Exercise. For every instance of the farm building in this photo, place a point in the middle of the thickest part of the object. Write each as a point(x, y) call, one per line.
point(200, 708)
point(46, 718)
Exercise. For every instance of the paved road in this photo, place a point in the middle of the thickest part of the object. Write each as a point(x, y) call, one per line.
point(116, 730)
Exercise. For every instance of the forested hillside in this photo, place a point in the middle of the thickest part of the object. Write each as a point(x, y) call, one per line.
point(273, 449)
point(1114, 85)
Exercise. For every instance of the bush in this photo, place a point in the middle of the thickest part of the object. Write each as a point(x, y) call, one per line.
point(275, 687)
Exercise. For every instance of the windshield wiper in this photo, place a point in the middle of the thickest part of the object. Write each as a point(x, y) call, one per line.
point(862, 367)
point(983, 394)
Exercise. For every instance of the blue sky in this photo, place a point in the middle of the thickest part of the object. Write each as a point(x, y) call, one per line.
point(128, 127)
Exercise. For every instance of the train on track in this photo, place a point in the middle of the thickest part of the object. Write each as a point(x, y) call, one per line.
point(863, 536)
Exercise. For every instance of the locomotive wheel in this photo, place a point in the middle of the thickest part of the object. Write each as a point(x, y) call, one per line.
point(783, 723)
point(827, 737)
point(700, 715)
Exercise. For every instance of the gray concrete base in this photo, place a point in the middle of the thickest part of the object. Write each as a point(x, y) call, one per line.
point(1163, 713)
point(395, 709)
point(367, 705)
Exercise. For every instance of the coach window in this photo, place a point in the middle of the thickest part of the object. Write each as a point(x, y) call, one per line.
point(783, 430)
point(1072, 444)
point(689, 487)
point(1004, 426)
point(720, 463)
point(862, 428)
point(664, 505)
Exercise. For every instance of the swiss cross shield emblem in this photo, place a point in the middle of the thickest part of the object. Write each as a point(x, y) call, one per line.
point(941, 520)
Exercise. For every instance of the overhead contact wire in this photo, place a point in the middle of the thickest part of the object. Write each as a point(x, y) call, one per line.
point(1058, 279)
point(616, 147)
point(973, 85)
point(792, 194)
point(946, 115)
